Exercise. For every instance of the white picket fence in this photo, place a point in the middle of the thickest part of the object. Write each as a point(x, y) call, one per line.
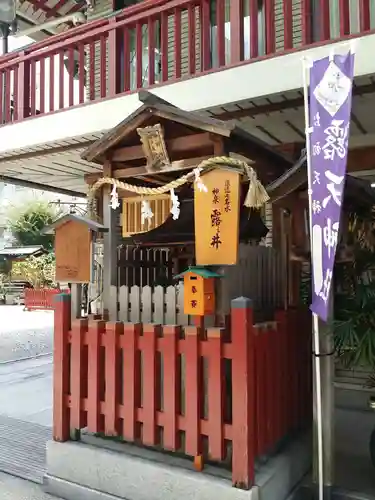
point(151, 305)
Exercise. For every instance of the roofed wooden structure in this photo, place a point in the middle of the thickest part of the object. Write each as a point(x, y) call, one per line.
point(185, 138)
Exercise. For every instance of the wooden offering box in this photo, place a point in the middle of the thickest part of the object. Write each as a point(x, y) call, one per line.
point(199, 291)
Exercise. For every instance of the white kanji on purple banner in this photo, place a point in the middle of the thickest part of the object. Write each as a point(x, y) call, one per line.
point(331, 81)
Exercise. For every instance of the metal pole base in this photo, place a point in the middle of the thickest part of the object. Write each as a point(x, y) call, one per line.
point(327, 492)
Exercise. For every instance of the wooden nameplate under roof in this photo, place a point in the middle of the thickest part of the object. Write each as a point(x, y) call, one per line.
point(73, 247)
point(159, 142)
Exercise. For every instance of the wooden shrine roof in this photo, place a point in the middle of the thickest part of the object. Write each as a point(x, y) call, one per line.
point(91, 224)
point(358, 192)
point(189, 136)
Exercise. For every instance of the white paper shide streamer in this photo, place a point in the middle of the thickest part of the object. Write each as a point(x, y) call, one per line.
point(146, 212)
point(175, 208)
point(114, 202)
point(198, 180)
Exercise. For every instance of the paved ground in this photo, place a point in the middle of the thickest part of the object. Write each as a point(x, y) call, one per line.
point(12, 488)
point(24, 334)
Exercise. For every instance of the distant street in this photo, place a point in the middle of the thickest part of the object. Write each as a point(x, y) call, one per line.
point(24, 334)
point(26, 385)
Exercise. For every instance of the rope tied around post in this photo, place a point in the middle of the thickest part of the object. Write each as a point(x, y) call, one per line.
point(256, 195)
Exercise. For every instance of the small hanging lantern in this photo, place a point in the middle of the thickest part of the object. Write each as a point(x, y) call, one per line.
point(175, 208)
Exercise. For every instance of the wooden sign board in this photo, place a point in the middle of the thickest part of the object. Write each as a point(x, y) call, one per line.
point(216, 215)
point(73, 251)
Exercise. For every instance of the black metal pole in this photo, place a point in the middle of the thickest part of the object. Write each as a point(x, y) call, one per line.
point(4, 33)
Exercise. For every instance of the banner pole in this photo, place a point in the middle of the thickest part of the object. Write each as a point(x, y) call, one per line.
point(316, 342)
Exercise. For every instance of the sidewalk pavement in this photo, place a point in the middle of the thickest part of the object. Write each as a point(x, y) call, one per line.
point(12, 488)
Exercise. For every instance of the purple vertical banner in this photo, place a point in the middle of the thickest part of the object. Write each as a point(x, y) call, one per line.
point(330, 95)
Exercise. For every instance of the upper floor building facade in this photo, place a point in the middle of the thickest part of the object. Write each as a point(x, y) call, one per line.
point(233, 59)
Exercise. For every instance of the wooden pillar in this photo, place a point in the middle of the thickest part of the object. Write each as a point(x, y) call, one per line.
point(243, 394)
point(61, 367)
point(110, 218)
point(76, 300)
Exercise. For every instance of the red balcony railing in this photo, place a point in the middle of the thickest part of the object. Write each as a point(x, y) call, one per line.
point(159, 41)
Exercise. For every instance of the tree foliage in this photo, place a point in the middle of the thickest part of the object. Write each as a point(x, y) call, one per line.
point(39, 271)
point(28, 221)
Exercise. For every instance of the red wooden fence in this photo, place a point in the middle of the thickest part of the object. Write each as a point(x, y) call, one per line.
point(236, 393)
point(110, 52)
point(42, 298)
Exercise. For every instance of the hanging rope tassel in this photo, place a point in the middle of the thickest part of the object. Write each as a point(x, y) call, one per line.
point(256, 195)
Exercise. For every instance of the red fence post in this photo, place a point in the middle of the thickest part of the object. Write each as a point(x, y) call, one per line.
point(61, 368)
point(112, 378)
point(95, 376)
point(243, 393)
point(215, 393)
point(78, 377)
point(236, 31)
point(171, 335)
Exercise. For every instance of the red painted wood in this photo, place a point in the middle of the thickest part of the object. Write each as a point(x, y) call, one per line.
point(261, 391)
point(177, 43)
point(24, 90)
point(8, 96)
point(191, 39)
point(81, 73)
point(364, 15)
point(269, 10)
point(103, 66)
point(91, 71)
point(62, 317)
point(96, 329)
point(306, 21)
point(344, 10)
point(215, 394)
point(126, 75)
point(51, 82)
point(253, 11)
point(164, 43)
point(42, 85)
point(288, 23)
point(325, 29)
point(236, 31)
point(171, 387)
point(150, 382)
point(71, 76)
point(77, 375)
point(220, 23)
point(112, 378)
point(243, 404)
point(193, 386)
point(2, 78)
point(131, 380)
point(138, 55)
point(151, 51)
point(61, 79)
point(205, 35)
point(15, 94)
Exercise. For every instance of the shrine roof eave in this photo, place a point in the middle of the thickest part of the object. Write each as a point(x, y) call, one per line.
point(91, 224)
point(358, 192)
point(237, 139)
